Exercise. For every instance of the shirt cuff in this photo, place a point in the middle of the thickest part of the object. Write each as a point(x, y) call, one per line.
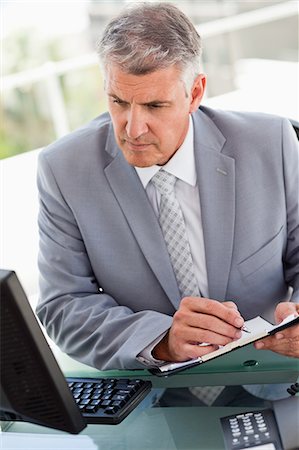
point(146, 357)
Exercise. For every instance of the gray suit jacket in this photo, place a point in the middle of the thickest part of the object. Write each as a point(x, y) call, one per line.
point(107, 285)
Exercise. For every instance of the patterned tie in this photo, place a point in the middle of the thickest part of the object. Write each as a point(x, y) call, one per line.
point(174, 231)
point(173, 227)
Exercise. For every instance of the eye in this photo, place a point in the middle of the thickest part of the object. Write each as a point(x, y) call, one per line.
point(154, 105)
point(118, 101)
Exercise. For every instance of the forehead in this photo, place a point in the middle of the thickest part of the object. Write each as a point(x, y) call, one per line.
point(164, 83)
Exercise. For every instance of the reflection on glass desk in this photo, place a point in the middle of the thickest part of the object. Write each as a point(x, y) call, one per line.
point(184, 428)
point(172, 428)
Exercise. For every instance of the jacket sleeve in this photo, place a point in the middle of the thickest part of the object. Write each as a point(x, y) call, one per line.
point(85, 322)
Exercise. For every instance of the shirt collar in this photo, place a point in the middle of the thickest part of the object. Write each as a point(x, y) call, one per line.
point(181, 165)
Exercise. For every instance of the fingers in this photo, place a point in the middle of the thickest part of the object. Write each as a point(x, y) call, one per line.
point(226, 311)
point(196, 351)
point(230, 304)
point(202, 320)
point(287, 346)
point(284, 309)
point(201, 327)
point(285, 342)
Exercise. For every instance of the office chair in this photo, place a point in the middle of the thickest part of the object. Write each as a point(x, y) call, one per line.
point(295, 124)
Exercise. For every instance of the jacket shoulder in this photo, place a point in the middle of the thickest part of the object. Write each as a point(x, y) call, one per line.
point(89, 137)
point(255, 129)
point(243, 120)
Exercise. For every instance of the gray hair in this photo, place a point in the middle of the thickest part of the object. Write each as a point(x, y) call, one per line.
point(147, 37)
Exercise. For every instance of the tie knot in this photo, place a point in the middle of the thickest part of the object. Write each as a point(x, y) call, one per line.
point(164, 182)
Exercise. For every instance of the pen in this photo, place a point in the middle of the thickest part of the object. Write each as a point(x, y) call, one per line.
point(245, 329)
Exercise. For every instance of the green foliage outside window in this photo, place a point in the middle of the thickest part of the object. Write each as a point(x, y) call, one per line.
point(26, 123)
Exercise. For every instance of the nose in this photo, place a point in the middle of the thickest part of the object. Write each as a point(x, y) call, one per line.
point(136, 123)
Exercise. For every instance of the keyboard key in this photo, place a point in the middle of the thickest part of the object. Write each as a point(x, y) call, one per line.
point(118, 404)
point(119, 397)
point(95, 402)
point(110, 410)
point(98, 390)
point(87, 391)
point(107, 400)
point(91, 408)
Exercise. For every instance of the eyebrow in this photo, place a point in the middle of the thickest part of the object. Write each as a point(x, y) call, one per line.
point(152, 102)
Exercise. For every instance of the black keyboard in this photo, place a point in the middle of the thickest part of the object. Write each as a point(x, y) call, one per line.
point(107, 400)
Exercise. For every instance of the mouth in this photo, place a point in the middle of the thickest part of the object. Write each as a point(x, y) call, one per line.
point(137, 147)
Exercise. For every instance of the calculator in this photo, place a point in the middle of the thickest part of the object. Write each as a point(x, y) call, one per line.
point(254, 429)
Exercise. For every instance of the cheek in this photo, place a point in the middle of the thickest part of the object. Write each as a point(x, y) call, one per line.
point(174, 129)
point(117, 116)
point(118, 123)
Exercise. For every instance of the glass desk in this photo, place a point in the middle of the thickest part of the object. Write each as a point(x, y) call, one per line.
point(171, 428)
point(243, 366)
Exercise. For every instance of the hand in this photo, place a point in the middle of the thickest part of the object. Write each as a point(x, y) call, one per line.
point(285, 342)
point(199, 320)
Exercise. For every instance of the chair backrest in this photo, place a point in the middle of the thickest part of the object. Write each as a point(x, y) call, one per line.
point(295, 126)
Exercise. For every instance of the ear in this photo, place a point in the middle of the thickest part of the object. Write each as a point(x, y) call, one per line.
point(197, 92)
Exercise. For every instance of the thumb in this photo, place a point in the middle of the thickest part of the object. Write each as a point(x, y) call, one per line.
point(284, 309)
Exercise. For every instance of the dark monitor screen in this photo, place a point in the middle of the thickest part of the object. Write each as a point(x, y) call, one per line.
point(33, 388)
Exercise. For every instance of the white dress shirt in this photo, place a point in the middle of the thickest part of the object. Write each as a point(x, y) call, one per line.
point(182, 166)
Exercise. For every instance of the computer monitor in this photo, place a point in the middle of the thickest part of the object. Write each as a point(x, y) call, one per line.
point(33, 388)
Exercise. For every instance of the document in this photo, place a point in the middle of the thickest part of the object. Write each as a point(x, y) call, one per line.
point(256, 329)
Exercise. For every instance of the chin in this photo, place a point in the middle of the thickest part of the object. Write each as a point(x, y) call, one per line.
point(143, 164)
point(139, 160)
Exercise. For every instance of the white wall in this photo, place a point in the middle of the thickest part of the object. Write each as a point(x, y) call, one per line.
point(18, 224)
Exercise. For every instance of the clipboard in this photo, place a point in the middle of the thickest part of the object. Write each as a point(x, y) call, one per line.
point(257, 328)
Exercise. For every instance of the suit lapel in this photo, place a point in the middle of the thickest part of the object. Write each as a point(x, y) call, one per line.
point(216, 183)
point(141, 218)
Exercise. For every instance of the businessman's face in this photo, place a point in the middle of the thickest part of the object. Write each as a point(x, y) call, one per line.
point(150, 113)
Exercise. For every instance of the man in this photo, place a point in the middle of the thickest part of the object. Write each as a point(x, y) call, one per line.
point(111, 292)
